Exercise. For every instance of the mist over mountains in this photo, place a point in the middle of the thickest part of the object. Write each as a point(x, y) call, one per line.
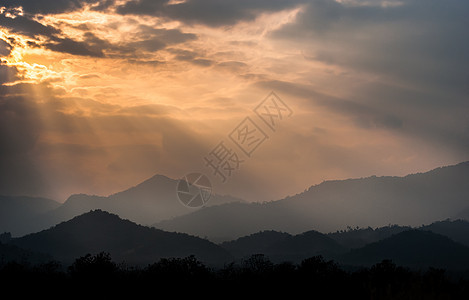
point(135, 245)
point(412, 200)
point(422, 207)
point(152, 200)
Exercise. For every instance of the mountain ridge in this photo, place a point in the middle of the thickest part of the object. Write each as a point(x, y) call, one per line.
point(98, 231)
point(151, 200)
point(412, 200)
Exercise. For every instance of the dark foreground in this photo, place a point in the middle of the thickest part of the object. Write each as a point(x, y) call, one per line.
point(98, 275)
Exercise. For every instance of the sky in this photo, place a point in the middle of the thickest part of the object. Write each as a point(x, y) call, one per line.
point(97, 96)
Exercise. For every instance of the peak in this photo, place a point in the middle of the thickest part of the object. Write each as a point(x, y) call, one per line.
point(160, 177)
point(157, 179)
point(97, 213)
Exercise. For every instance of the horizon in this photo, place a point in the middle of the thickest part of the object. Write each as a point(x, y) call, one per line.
point(254, 201)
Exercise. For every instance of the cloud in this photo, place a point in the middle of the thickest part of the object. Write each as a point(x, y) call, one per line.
point(7, 74)
point(5, 48)
point(27, 26)
point(191, 57)
point(52, 6)
point(70, 46)
point(417, 41)
point(208, 12)
point(361, 114)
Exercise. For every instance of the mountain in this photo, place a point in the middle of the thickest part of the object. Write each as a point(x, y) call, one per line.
point(256, 243)
point(152, 200)
point(98, 231)
point(457, 230)
point(333, 205)
point(281, 246)
point(359, 237)
point(18, 213)
point(412, 248)
point(301, 246)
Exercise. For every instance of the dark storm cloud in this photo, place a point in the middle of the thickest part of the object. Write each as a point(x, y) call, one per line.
point(423, 41)
point(154, 39)
point(5, 48)
point(90, 46)
point(52, 6)
point(27, 26)
point(208, 12)
point(70, 46)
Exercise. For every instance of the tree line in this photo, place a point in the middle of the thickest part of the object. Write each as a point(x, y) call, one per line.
point(255, 275)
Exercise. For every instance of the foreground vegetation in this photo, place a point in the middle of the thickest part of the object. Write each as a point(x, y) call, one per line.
point(256, 275)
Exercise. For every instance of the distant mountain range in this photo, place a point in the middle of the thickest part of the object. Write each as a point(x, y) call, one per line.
point(280, 246)
point(416, 248)
point(297, 227)
point(412, 248)
point(333, 205)
point(133, 244)
point(126, 241)
point(152, 200)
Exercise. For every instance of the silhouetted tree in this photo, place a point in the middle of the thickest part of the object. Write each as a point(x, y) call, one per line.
point(258, 264)
point(91, 267)
point(179, 268)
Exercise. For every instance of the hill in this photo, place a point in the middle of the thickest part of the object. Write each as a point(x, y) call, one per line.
point(412, 248)
point(305, 245)
point(281, 246)
point(359, 237)
point(333, 205)
point(256, 243)
point(98, 231)
point(457, 230)
point(152, 200)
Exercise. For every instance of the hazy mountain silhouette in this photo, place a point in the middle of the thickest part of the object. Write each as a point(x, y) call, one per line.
point(98, 231)
point(301, 246)
point(412, 248)
point(333, 205)
point(152, 200)
point(359, 237)
point(281, 246)
point(457, 230)
point(255, 243)
point(17, 214)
